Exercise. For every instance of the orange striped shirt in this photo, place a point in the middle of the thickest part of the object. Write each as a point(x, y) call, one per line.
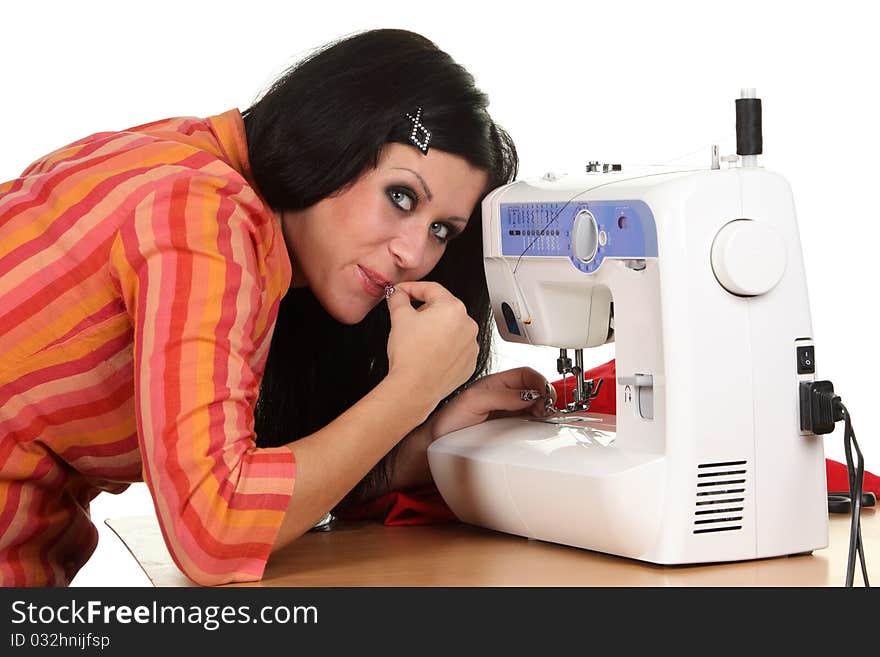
point(140, 278)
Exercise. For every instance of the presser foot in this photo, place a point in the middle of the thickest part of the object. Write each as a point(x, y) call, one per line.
point(591, 391)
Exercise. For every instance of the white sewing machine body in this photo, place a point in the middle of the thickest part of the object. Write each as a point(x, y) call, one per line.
point(700, 276)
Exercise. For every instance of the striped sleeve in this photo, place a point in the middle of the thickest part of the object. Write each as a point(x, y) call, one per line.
point(186, 264)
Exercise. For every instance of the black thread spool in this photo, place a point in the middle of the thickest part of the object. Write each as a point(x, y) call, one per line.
point(749, 136)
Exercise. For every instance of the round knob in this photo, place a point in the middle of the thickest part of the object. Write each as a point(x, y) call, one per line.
point(585, 236)
point(748, 257)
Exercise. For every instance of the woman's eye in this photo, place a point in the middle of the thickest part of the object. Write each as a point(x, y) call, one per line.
point(444, 234)
point(401, 199)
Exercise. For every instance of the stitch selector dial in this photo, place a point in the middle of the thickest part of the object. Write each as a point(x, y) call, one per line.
point(585, 236)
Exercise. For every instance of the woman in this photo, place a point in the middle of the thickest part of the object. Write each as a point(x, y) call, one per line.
point(201, 304)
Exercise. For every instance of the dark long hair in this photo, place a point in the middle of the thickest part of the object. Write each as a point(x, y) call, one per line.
point(313, 133)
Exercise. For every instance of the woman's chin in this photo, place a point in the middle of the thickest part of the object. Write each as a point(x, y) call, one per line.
point(349, 315)
point(345, 308)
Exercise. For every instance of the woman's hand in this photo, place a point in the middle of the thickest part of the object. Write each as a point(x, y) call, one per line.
point(434, 349)
point(511, 392)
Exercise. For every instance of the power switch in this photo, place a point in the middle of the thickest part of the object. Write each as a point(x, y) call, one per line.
point(806, 360)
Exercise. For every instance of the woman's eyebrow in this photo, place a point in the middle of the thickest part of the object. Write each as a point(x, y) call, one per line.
point(428, 192)
point(421, 180)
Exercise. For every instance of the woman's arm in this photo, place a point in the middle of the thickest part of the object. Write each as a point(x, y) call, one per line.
point(411, 460)
point(186, 265)
point(496, 395)
point(331, 461)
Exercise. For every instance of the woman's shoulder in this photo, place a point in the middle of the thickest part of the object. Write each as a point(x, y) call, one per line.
point(199, 157)
point(169, 147)
point(179, 134)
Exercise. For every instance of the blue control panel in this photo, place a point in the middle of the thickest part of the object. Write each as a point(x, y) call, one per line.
point(626, 229)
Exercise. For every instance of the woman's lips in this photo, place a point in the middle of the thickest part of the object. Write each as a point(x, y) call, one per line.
point(376, 277)
point(370, 286)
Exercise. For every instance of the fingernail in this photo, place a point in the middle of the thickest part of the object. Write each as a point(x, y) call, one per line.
point(529, 395)
point(389, 290)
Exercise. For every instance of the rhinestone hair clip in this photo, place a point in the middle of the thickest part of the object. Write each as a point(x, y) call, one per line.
point(418, 125)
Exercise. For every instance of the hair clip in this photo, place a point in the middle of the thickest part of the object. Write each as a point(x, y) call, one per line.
point(418, 125)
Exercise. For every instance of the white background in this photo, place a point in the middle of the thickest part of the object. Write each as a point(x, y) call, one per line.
point(630, 82)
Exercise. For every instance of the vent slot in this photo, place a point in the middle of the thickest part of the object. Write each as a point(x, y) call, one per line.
point(720, 493)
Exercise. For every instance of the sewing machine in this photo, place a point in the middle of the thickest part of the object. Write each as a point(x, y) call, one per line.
point(697, 277)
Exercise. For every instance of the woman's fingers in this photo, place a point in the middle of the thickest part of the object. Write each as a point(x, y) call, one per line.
point(439, 337)
point(510, 403)
point(399, 302)
point(517, 390)
point(427, 291)
point(523, 378)
point(506, 399)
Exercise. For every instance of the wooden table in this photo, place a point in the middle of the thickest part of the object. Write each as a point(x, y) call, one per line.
point(455, 555)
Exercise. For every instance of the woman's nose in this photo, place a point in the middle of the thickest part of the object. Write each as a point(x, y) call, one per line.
point(409, 246)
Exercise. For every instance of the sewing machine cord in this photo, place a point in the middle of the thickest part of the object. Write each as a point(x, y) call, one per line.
point(856, 475)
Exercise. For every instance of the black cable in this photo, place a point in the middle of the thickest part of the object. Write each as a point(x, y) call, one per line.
point(856, 475)
point(820, 410)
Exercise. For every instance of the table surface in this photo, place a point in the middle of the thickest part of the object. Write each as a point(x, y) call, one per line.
point(371, 554)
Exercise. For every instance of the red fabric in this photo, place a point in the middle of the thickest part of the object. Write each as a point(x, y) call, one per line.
point(838, 480)
point(425, 506)
point(418, 506)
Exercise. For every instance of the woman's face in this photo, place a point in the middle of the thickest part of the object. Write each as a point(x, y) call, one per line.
point(390, 225)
